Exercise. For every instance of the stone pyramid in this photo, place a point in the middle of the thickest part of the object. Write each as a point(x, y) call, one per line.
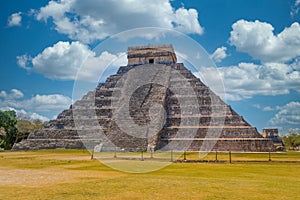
point(152, 104)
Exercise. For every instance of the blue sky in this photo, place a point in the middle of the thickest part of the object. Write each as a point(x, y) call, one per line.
point(255, 45)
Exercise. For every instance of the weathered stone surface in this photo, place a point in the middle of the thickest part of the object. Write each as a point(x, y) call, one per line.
point(208, 116)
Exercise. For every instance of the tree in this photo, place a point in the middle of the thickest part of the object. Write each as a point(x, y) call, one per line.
point(13, 130)
point(38, 124)
point(9, 131)
point(292, 141)
point(297, 141)
point(25, 127)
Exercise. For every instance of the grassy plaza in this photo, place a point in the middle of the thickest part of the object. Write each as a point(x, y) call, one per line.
point(71, 174)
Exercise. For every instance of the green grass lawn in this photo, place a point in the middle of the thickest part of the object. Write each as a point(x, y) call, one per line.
point(70, 174)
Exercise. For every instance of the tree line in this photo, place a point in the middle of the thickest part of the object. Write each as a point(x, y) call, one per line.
point(13, 130)
point(292, 140)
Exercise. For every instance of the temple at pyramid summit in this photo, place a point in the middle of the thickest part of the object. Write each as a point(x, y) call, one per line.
point(152, 103)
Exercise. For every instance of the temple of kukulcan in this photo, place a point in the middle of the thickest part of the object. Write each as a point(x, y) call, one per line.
point(151, 104)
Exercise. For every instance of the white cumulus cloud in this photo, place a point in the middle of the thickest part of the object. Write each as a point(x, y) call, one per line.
point(288, 115)
point(44, 103)
point(22, 114)
point(92, 20)
point(219, 54)
point(30, 108)
point(248, 79)
point(37, 103)
point(63, 61)
point(267, 108)
point(258, 40)
point(15, 19)
point(13, 94)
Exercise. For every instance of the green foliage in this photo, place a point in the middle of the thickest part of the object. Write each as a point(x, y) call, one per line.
point(25, 127)
point(9, 131)
point(292, 141)
point(13, 130)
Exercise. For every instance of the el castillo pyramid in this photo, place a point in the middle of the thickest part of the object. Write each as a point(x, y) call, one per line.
point(153, 103)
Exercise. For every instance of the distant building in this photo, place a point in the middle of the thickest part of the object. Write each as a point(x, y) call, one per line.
point(274, 135)
point(270, 132)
